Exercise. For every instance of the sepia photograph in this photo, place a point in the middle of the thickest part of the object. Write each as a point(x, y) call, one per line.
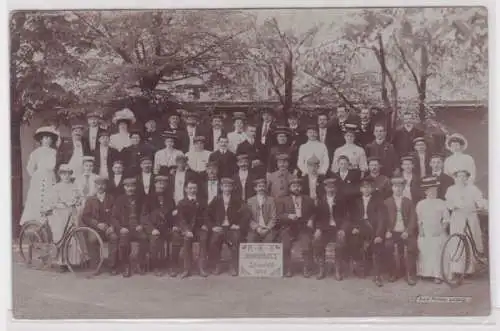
point(249, 163)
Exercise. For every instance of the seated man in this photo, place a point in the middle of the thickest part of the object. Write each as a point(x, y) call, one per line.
point(125, 218)
point(224, 217)
point(262, 215)
point(401, 232)
point(332, 224)
point(97, 215)
point(295, 214)
point(157, 216)
point(367, 228)
point(191, 222)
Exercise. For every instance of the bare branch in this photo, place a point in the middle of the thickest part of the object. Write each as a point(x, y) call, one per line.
point(405, 60)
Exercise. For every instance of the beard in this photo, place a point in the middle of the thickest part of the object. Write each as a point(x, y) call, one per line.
point(296, 193)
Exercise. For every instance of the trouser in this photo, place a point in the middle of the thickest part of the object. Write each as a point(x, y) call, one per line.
point(181, 241)
point(112, 239)
point(232, 238)
point(302, 235)
point(255, 237)
point(156, 248)
point(361, 243)
point(327, 235)
point(407, 260)
point(132, 247)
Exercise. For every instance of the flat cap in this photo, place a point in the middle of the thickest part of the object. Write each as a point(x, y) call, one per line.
point(241, 157)
point(367, 180)
point(428, 182)
point(282, 156)
point(129, 181)
point(160, 178)
point(437, 156)
point(181, 158)
point(145, 157)
point(65, 168)
point(77, 126)
point(407, 158)
point(199, 139)
point(259, 181)
point(118, 161)
point(419, 140)
point(88, 158)
point(373, 158)
point(313, 160)
point(312, 127)
point(226, 180)
point(103, 133)
point(281, 130)
point(330, 182)
point(398, 181)
point(100, 180)
point(294, 180)
point(351, 128)
point(94, 114)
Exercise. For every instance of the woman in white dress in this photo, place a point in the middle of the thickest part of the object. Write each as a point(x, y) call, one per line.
point(165, 158)
point(64, 198)
point(433, 217)
point(464, 199)
point(198, 157)
point(41, 168)
point(457, 144)
point(123, 119)
point(238, 135)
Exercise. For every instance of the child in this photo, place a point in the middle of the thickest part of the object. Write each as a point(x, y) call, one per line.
point(432, 215)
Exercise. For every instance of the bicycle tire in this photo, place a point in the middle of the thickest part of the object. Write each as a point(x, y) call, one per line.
point(24, 232)
point(463, 247)
point(94, 269)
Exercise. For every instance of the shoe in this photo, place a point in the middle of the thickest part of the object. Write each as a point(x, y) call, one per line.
point(173, 273)
point(392, 278)
point(113, 272)
point(306, 272)
point(203, 273)
point(127, 272)
point(322, 273)
point(288, 273)
point(218, 270)
point(411, 281)
point(438, 281)
point(185, 274)
point(157, 272)
point(378, 281)
point(234, 272)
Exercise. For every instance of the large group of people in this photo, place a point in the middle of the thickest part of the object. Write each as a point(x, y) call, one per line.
point(382, 203)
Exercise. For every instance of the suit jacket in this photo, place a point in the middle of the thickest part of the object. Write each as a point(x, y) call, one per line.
point(249, 186)
point(416, 191)
point(416, 161)
point(403, 140)
point(348, 188)
point(140, 186)
point(320, 189)
point(382, 186)
point(376, 213)
point(190, 176)
point(179, 133)
point(285, 206)
point(209, 142)
point(203, 189)
point(270, 140)
point(365, 134)
point(388, 157)
point(297, 137)
point(445, 182)
point(332, 140)
point(226, 163)
point(277, 183)
point(65, 151)
point(157, 211)
point(254, 152)
point(340, 213)
point(339, 130)
point(86, 137)
point(191, 215)
point(132, 155)
point(113, 155)
point(154, 141)
point(278, 149)
point(268, 211)
point(122, 212)
point(217, 213)
point(408, 211)
point(95, 211)
point(115, 190)
point(184, 138)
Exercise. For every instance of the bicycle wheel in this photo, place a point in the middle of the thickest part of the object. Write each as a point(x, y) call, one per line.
point(455, 259)
point(29, 235)
point(83, 251)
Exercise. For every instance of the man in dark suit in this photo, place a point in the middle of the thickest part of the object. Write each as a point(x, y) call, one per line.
point(244, 178)
point(412, 188)
point(179, 178)
point(312, 182)
point(73, 150)
point(115, 184)
point(209, 185)
point(152, 136)
point(365, 134)
point(132, 154)
point(338, 125)
point(174, 127)
point(192, 130)
point(157, 218)
point(91, 136)
point(297, 133)
point(253, 149)
point(421, 158)
point(125, 218)
point(104, 156)
point(224, 219)
point(215, 132)
point(282, 135)
point(384, 150)
point(191, 223)
point(348, 180)
point(145, 180)
point(97, 215)
point(265, 134)
point(326, 135)
point(296, 214)
point(381, 183)
point(401, 232)
point(368, 217)
point(225, 159)
point(331, 224)
point(445, 181)
point(404, 136)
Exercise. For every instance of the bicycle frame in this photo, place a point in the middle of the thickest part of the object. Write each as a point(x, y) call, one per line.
point(472, 242)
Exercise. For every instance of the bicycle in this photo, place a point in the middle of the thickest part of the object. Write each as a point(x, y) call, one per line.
point(461, 251)
point(37, 248)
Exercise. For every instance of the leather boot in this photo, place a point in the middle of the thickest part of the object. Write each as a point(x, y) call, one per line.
point(174, 261)
point(203, 272)
point(322, 268)
point(338, 271)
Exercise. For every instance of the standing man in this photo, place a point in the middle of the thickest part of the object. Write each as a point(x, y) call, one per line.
point(332, 224)
point(381, 183)
point(191, 223)
point(297, 134)
point(152, 137)
point(384, 150)
point(404, 136)
point(253, 149)
point(175, 128)
point(279, 180)
point(366, 134)
point(181, 176)
point(210, 185)
point(445, 181)
point(422, 158)
point(315, 148)
point(225, 159)
point(263, 215)
point(132, 154)
point(312, 181)
point(326, 135)
point(412, 183)
point(126, 221)
point(224, 219)
point(72, 151)
point(115, 184)
point(296, 214)
point(282, 146)
point(244, 178)
point(192, 131)
point(265, 134)
point(145, 180)
point(91, 137)
point(104, 155)
point(338, 126)
point(216, 131)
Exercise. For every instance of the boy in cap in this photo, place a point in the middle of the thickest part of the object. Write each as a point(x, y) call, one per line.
point(181, 176)
point(125, 217)
point(91, 136)
point(421, 158)
point(279, 180)
point(315, 148)
point(190, 223)
point(445, 181)
point(367, 229)
point(215, 132)
point(356, 154)
point(331, 224)
point(262, 215)
point(312, 179)
point(97, 215)
point(381, 183)
point(383, 149)
point(145, 180)
point(225, 159)
point(296, 213)
point(104, 155)
point(165, 158)
point(243, 179)
point(401, 233)
point(224, 219)
point(198, 156)
point(157, 218)
point(238, 135)
point(115, 184)
point(85, 182)
point(297, 134)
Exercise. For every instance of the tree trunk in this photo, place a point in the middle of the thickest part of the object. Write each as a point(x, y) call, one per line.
point(288, 66)
point(16, 173)
point(422, 87)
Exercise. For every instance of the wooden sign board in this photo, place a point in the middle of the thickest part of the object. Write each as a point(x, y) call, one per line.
point(261, 260)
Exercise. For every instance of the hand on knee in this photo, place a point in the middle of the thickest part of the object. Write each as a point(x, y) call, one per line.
point(155, 232)
point(124, 231)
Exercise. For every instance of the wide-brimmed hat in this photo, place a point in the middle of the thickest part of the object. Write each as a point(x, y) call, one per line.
point(456, 137)
point(46, 131)
point(124, 115)
point(65, 168)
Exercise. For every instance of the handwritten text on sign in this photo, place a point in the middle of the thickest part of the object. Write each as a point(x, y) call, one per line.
point(261, 260)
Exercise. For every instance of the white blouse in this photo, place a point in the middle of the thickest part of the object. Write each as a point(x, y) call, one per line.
point(307, 150)
point(119, 141)
point(197, 161)
point(165, 158)
point(356, 155)
point(466, 198)
point(41, 160)
point(235, 139)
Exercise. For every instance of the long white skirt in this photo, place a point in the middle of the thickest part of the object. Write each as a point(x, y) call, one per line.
point(37, 199)
point(429, 259)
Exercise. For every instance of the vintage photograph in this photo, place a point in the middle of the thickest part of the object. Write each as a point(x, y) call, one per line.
point(244, 163)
